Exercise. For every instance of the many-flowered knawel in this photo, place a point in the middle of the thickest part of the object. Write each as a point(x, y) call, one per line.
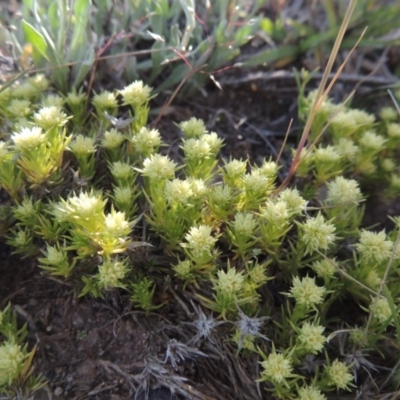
point(92, 195)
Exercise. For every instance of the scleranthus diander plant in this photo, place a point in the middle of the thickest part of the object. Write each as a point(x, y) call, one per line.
point(264, 267)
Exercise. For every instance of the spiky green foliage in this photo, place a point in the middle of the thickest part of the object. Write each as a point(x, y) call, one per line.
point(230, 233)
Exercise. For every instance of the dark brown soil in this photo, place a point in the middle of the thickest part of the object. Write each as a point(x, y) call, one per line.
point(102, 349)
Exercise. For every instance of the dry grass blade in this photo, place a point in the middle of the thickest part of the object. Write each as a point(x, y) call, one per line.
point(284, 141)
point(322, 93)
point(394, 101)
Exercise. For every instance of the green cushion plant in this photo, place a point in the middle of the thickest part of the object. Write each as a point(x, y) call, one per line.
point(80, 189)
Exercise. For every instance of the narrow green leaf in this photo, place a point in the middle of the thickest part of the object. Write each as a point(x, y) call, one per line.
point(35, 39)
point(271, 55)
point(80, 71)
point(158, 56)
point(52, 15)
point(175, 35)
point(393, 308)
point(79, 37)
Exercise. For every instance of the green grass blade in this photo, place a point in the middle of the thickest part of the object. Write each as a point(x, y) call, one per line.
point(36, 40)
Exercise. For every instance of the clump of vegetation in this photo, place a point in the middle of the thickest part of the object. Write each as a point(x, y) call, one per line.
point(131, 39)
point(16, 371)
point(82, 188)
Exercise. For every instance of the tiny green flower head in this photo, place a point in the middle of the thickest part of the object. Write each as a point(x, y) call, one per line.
point(388, 165)
point(326, 154)
point(372, 141)
point(306, 292)
point(177, 191)
point(19, 108)
point(230, 282)
point(28, 139)
point(317, 234)
point(146, 141)
point(12, 360)
point(82, 146)
point(343, 191)
point(25, 90)
point(49, 117)
point(85, 206)
point(348, 121)
point(255, 182)
point(196, 149)
point(380, 309)
point(393, 130)
point(269, 169)
point(235, 169)
point(184, 270)
point(199, 187)
point(305, 161)
point(53, 100)
point(374, 247)
point(105, 101)
point(124, 195)
point(111, 272)
point(366, 167)
point(373, 280)
point(193, 128)
point(311, 337)
point(325, 268)
point(326, 107)
point(158, 167)
point(358, 337)
point(257, 274)
point(339, 375)
point(75, 98)
point(295, 203)
point(27, 210)
point(55, 256)
point(22, 238)
point(395, 181)
point(56, 261)
point(116, 224)
point(347, 148)
point(388, 114)
point(40, 82)
point(276, 368)
point(112, 139)
point(121, 170)
point(213, 141)
point(310, 393)
point(276, 213)
point(200, 242)
point(361, 117)
point(136, 94)
point(244, 224)
point(221, 194)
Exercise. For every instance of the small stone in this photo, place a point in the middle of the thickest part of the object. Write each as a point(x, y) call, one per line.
point(32, 302)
